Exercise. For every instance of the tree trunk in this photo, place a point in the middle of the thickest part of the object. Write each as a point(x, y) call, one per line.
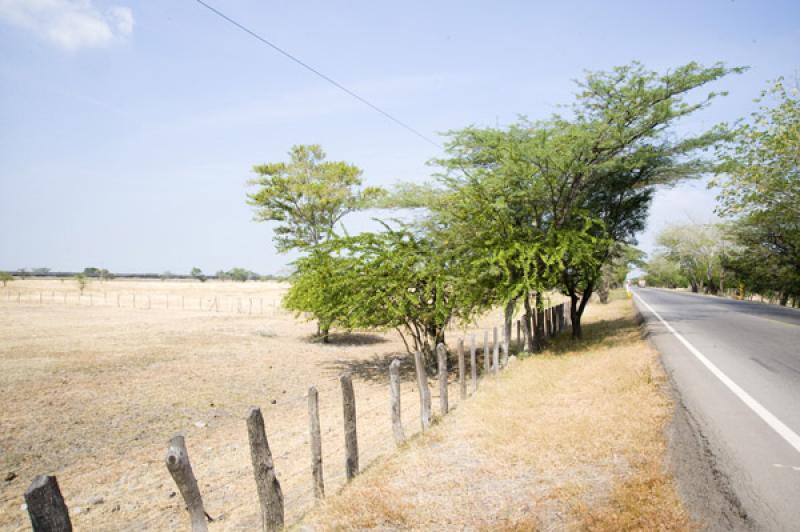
point(602, 294)
point(508, 316)
point(784, 299)
point(528, 329)
point(539, 335)
point(578, 307)
point(693, 284)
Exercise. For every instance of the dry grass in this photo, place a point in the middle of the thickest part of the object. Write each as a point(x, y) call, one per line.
point(572, 439)
point(93, 393)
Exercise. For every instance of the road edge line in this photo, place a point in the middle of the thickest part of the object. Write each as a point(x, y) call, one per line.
point(768, 417)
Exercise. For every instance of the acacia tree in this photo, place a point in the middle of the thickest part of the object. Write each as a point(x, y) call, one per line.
point(5, 277)
point(661, 271)
point(397, 279)
point(760, 182)
point(591, 174)
point(697, 249)
point(307, 197)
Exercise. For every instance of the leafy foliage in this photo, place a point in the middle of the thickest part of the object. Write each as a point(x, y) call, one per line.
point(760, 181)
point(307, 196)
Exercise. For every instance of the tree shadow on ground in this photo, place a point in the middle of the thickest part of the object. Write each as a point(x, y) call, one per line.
point(376, 368)
point(600, 334)
point(351, 339)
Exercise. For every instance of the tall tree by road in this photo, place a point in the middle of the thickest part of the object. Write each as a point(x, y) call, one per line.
point(306, 197)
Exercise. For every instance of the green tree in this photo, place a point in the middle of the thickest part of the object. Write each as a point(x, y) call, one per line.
point(197, 273)
point(697, 250)
point(614, 272)
point(588, 177)
point(5, 277)
point(664, 272)
point(760, 192)
point(397, 279)
point(307, 196)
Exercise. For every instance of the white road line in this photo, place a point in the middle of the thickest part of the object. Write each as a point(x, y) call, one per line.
point(776, 424)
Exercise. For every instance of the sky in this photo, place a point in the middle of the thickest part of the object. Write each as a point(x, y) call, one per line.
point(128, 130)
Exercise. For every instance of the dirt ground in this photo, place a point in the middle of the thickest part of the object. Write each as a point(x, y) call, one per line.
point(93, 387)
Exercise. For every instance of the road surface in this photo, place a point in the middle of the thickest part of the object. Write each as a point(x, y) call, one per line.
point(735, 366)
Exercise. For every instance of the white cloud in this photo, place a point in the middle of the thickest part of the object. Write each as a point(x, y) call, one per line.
point(69, 24)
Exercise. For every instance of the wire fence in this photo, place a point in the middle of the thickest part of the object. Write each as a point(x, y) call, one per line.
point(148, 301)
point(229, 494)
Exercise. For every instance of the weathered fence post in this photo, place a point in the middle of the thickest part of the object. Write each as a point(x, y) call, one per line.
point(473, 363)
point(462, 369)
point(46, 507)
point(506, 346)
point(394, 388)
point(183, 306)
point(441, 357)
point(519, 336)
point(316, 443)
point(181, 470)
point(424, 391)
point(486, 365)
point(495, 352)
point(270, 495)
point(350, 433)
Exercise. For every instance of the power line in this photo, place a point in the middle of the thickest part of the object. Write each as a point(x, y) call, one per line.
point(317, 72)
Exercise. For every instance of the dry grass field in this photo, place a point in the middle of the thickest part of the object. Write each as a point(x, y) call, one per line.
point(569, 440)
point(91, 392)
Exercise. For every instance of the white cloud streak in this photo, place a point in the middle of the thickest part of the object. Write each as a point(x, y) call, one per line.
point(69, 24)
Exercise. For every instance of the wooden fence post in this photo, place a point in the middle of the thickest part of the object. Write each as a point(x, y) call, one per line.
point(270, 495)
point(495, 352)
point(181, 470)
point(424, 391)
point(394, 388)
point(473, 364)
point(462, 369)
point(505, 346)
point(46, 507)
point(350, 433)
point(441, 358)
point(486, 365)
point(316, 443)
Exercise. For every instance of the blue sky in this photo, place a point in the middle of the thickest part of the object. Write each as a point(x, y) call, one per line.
point(128, 129)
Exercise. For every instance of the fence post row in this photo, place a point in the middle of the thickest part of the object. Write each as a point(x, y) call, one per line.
point(394, 388)
point(181, 470)
point(316, 443)
point(270, 495)
point(46, 507)
point(350, 434)
point(424, 391)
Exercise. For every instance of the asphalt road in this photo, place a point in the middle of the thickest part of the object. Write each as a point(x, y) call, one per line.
point(735, 367)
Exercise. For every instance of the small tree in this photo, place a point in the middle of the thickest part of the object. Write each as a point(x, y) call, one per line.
point(166, 275)
point(82, 281)
point(238, 274)
point(5, 277)
point(197, 273)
